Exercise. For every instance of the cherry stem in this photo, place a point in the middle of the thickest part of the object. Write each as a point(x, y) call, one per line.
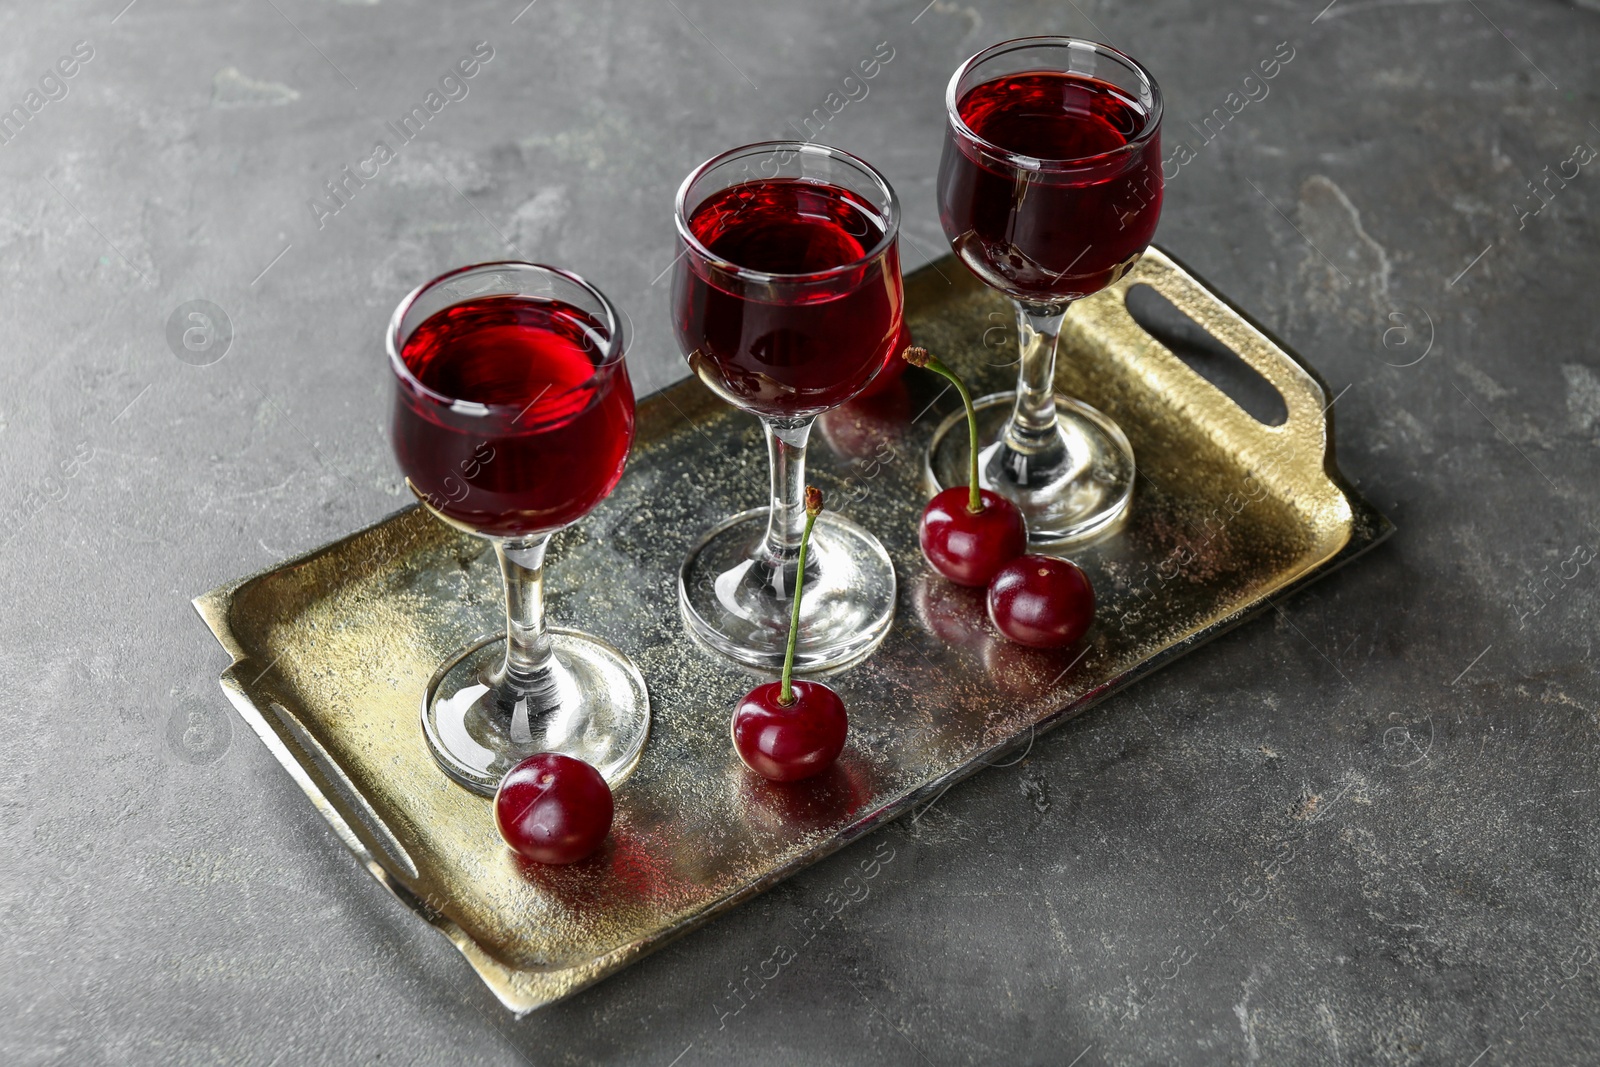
point(813, 509)
point(920, 357)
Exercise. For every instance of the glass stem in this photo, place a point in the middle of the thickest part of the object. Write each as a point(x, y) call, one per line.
point(786, 449)
point(525, 682)
point(1032, 429)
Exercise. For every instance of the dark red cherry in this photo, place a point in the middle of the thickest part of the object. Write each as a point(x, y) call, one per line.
point(788, 730)
point(788, 742)
point(552, 808)
point(1041, 601)
point(970, 547)
point(968, 533)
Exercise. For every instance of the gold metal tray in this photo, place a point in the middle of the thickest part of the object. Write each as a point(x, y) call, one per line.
point(331, 651)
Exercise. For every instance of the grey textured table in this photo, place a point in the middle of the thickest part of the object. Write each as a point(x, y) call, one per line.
point(1360, 831)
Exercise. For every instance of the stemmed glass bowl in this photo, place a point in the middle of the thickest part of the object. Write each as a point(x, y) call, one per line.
point(1049, 190)
point(513, 416)
point(787, 301)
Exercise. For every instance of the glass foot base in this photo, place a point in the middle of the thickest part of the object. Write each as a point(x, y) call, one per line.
point(740, 607)
point(603, 718)
point(1082, 494)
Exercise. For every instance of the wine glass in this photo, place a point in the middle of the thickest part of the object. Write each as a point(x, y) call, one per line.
point(513, 416)
point(787, 301)
point(1049, 191)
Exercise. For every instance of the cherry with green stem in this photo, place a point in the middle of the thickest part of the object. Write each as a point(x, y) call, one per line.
point(788, 730)
point(967, 533)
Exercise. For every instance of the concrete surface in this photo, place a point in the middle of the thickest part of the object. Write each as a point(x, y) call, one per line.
point(1360, 832)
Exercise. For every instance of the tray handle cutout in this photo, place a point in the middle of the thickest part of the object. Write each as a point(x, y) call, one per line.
point(1208, 357)
point(354, 807)
point(1300, 443)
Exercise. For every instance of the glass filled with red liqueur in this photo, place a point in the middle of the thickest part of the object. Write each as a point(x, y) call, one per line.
point(787, 301)
point(513, 416)
point(1049, 191)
